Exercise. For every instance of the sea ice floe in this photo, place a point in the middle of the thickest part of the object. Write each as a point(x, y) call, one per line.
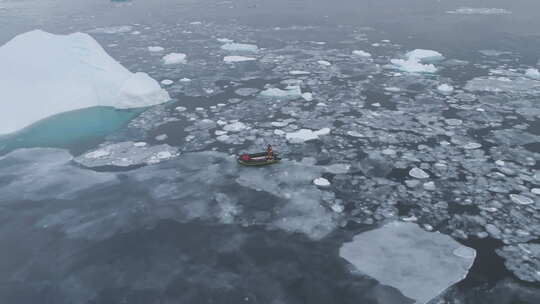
point(361, 53)
point(174, 58)
point(521, 199)
point(125, 154)
point(304, 135)
point(308, 96)
point(235, 127)
point(155, 49)
point(420, 264)
point(167, 82)
point(232, 59)
point(291, 92)
point(445, 88)
point(523, 260)
point(239, 47)
point(112, 29)
point(69, 72)
point(299, 73)
point(324, 63)
point(418, 173)
point(321, 182)
point(479, 11)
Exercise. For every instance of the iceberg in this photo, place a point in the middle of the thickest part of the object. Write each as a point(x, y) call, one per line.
point(65, 72)
point(420, 264)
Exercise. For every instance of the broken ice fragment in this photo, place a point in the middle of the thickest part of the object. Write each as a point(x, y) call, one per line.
point(418, 173)
point(155, 49)
point(239, 47)
point(233, 59)
point(521, 199)
point(321, 181)
point(361, 53)
point(174, 58)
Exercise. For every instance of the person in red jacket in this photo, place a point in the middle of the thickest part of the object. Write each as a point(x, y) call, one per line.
point(269, 153)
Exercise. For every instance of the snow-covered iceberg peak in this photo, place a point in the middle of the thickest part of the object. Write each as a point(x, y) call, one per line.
point(45, 74)
point(420, 264)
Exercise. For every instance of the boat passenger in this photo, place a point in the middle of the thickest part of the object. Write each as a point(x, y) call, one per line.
point(269, 153)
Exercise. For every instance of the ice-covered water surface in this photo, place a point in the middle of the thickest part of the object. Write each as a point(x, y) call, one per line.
point(367, 141)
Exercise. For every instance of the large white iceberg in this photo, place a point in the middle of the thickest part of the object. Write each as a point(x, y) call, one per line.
point(420, 264)
point(44, 74)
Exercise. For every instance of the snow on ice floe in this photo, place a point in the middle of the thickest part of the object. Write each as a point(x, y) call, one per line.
point(418, 173)
point(126, 154)
point(232, 59)
point(304, 135)
point(420, 264)
point(479, 11)
point(239, 47)
point(321, 182)
point(69, 72)
point(418, 61)
point(174, 58)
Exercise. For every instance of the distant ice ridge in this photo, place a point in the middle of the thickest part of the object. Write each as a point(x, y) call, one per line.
point(479, 11)
point(418, 61)
point(45, 74)
point(420, 264)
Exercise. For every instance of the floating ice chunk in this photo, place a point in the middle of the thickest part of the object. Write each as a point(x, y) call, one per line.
point(533, 73)
point(155, 49)
point(195, 23)
point(180, 109)
point(479, 11)
point(290, 92)
point(185, 80)
point(402, 255)
point(321, 182)
point(416, 59)
point(161, 137)
point(232, 59)
point(361, 53)
point(299, 73)
point(472, 146)
point(453, 122)
point(125, 154)
point(279, 132)
point(174, 58)
point(521, 199)
point(355, 134)
point(430, 186)
point(304, 135)
point(324, 63)
point(112, 29)
point(239, 47)
point(235, 127)
point(139, 144)
point(445, 88)
point(167, 82)
point(418, 173)
point(535, 191)
point(388, 152)
point(224, 40)
point(392, 89)
point(69, 72)
point(337, 168)
point(307, 96)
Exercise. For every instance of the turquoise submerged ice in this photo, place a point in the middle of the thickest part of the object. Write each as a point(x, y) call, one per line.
point(69, 72)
